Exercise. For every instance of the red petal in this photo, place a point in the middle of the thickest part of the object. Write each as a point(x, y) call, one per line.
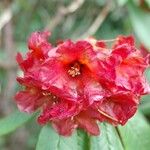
point(93, 92)
point(55, 78)
point(101, 44)
point(39, 44)
point(60, 110)
point(123, 51)
point(24, 64)
point(144, 50)
point(119, 108)
point(89, 124)
point(124, 40)
point(64, 127)
point(130, 75)
point(29, 101)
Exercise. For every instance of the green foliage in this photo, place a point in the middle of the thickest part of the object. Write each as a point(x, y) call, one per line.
point(136, 133)
point(50, 140)
point(141, 23)
point(12, 122)
point(107, 140)
point(124, 18)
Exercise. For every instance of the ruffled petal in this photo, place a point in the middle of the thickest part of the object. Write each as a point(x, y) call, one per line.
point(64, 127)
point(39, 45)
point(119, 108)
point(93, 92)
point(59, 111)
point(24, 64)
point(129, 74)
point(129, 40)
point(55, 78)
point(29, 100)
point(87, 123)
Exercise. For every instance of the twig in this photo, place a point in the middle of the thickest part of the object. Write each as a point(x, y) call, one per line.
point(62, 12)
point(5, 17)
point(8, 91)
point(98, 21)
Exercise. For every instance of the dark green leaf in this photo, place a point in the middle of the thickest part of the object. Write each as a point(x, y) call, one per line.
point(83, 140)
point(13, 121)
point(136, 133)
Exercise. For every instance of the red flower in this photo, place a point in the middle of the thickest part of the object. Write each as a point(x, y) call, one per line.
point(76, 84)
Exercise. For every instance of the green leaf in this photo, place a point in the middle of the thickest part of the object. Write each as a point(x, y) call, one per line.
point(136, 133)
point(122, 2)
point(83, 140)
point(107, 140)
point(145, 105)
point(141, 23)
point(111, 138)
point(13, 122)
point(50, 140)
point(147, 2)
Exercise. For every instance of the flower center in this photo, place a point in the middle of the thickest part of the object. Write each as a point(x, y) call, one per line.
point(74, 70)
point(52, 96)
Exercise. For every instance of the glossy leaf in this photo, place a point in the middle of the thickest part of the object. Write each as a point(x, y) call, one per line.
point(13, 122)
point(136, 133)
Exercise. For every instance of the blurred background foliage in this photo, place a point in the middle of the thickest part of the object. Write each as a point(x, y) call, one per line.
point(103, 19)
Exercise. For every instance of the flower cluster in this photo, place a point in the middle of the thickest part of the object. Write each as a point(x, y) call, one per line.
point(76, 84)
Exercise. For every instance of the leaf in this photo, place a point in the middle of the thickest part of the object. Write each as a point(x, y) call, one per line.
point(83, 140)
point(107, 140)
point(145, 105)
point(122, 2)
point(141, 23)
point(50, 140)
point(147, 2)
point(13, 122)
point(136, 133)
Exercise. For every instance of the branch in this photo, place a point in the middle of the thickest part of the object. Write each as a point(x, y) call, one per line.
point(7, 66)
point(5, 17)
point(62, 12)
point(98, 21)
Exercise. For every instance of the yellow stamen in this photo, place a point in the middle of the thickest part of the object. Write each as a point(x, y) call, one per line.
point(74, 70)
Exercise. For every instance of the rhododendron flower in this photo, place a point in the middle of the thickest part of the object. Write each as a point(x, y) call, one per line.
point(77, 84)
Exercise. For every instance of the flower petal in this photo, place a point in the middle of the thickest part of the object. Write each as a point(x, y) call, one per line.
point(38, 44)
point(87, 123)
point(64, 127)
point(30, 100)
point(124, 40)
point(119, 108)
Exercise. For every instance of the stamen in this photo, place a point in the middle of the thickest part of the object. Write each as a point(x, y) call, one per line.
point(72, 118)
point(108, 116)
point(74, 70)
point(52, 97)
point(110, 40)
point(46, 94)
